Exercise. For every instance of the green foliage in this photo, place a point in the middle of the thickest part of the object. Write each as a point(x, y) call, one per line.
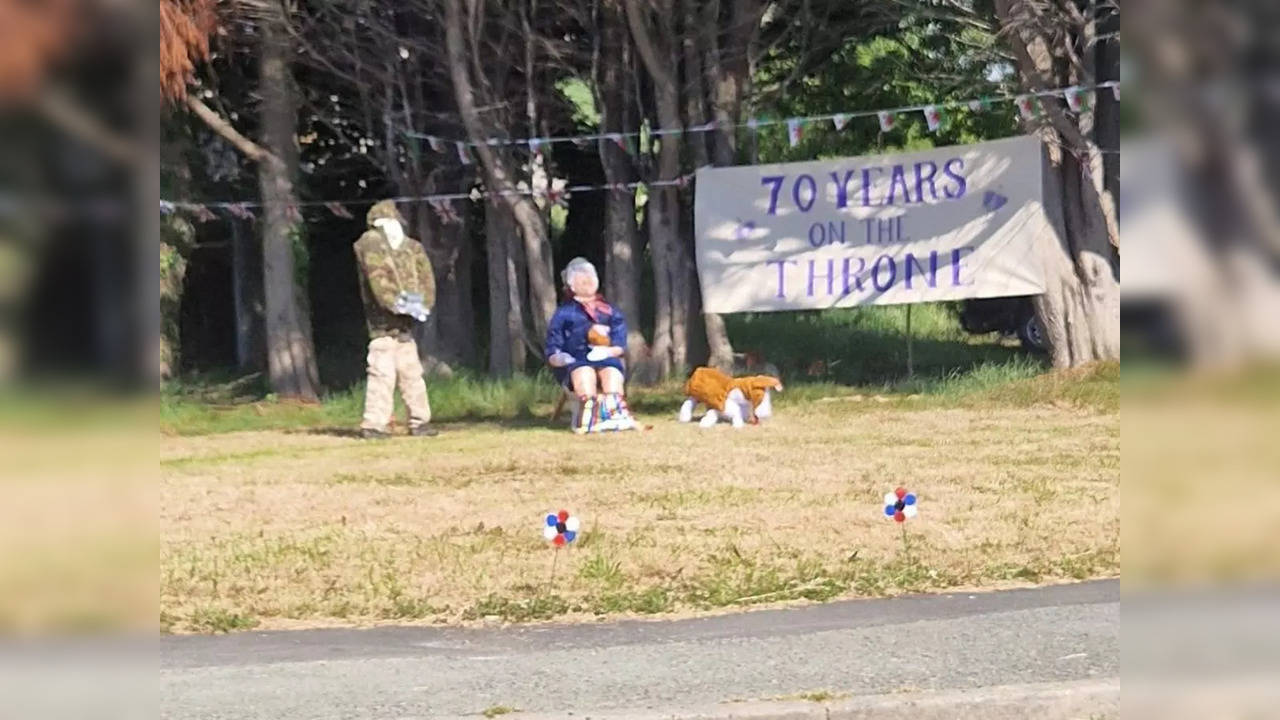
point(921, 62)
point(578, 93)
point(218, 620)
point(866, 345)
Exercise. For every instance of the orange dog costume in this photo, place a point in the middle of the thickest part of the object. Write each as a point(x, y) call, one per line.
point(739, 400)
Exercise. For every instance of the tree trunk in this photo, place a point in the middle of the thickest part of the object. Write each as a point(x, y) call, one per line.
point(622, 245)
point(1080, 309)
point(505, 326)
point(246, 292)
point(1107, 116)
point(671, 266)
point(726, 68)
point(448, 336)
point(498, 174)
point(291, 364)
point(173, 271)
point(695, 99)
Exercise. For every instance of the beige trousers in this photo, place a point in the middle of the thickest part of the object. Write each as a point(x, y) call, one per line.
point(390, 361)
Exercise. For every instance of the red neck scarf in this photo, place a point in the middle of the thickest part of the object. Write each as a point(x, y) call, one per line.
point(595, 307)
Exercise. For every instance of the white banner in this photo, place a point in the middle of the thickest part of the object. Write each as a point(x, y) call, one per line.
point(943, 224)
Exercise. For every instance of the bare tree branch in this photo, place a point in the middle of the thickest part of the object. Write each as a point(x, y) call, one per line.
point(216, 123)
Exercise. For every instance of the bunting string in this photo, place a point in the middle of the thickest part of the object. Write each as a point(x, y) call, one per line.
point(439, 202)
point(1070, 95)
point(1030, 105)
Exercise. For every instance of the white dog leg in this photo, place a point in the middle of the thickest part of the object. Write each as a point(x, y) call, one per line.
point(734, 406)
point(734, 411)
point(766, 406)
point(686, 410)
point(710, 419)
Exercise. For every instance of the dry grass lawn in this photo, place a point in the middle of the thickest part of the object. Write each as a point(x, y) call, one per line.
point(282, 529)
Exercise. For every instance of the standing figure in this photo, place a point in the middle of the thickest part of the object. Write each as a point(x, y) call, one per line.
point(586, 341)
point(399, 290)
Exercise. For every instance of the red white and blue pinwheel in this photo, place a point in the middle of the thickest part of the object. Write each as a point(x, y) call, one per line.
point(560, 528)
point(900, 505)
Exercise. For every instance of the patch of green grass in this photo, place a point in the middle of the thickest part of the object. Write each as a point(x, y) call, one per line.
point(601, 570)
point(218, 620)
point(866, 345)
point(192, 408)
point(538, 607)
point(494, 711)
point(758, 582)
point(818, 354)
point(818, 696)
point(389, 480)
point(413, 608)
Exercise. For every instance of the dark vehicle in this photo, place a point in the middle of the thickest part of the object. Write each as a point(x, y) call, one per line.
point(1007, 316)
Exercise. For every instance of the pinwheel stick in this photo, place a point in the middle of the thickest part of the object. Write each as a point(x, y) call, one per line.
point(555, 556)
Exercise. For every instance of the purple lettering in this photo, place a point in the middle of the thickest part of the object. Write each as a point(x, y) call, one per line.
point(875, 272)
point(857, 274)
point(830, 276)
point(957, 256)
point(960, 183)
point(899, 178)
point(813, 192)
point(842, 188)
point(776, 182)
point(921, 179)
point(818, 238)
point(782, 288)
point(932, 278)
point(836, 232)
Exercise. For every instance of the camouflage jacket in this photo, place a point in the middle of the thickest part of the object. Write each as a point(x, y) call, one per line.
point(386, 272)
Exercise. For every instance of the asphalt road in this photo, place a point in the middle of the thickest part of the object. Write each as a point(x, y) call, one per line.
point(863, 647)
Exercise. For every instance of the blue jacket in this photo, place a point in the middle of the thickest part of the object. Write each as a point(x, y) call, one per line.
point(568, 328)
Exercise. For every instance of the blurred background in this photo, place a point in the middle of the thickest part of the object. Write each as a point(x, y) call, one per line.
point(1198, 198)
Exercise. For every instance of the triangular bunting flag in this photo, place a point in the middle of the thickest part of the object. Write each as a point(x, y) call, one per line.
point(241, 210)
point(464, 157)
point(753, 123)
point(887, 120)
point(338, 210)
point(1115, 92)
point(166, 207)
point(292, 212)
point(1078, 99)
point(200, 212)
point(436, 143)
point(795, 130)
point(444, 210)
point(581, 143)
point(1028, 106)
point(982, 104)
point(559, 198)
point(535, 146)
point(840, 120)
point(933, 117)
